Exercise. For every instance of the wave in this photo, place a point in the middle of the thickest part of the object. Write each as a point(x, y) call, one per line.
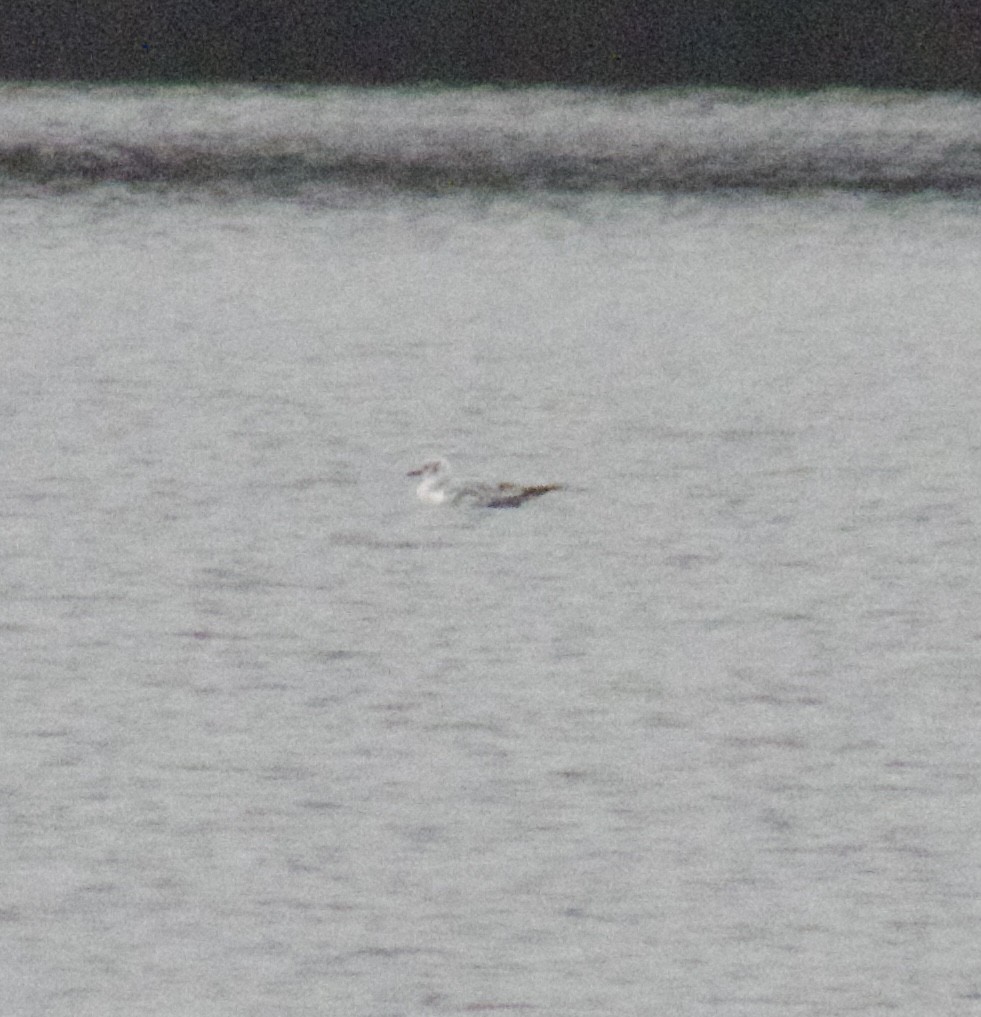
point(292, 141)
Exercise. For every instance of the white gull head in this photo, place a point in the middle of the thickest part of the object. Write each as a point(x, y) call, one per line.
point(435, 488)
point(435, 475)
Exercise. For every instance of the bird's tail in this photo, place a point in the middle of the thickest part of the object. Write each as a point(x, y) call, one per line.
point(536, 490)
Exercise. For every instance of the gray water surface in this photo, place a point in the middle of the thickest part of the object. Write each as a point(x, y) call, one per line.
point(697, 735)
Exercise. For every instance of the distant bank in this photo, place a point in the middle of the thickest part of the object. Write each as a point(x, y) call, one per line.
point(918, 44)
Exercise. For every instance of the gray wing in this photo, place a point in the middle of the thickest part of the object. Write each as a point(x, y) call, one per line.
point(479, 494)
point(501, 495)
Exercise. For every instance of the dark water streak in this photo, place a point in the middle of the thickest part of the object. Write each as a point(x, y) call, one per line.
point(954, 173)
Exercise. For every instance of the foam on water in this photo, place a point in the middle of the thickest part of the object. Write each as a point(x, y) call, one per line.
point(312, 141)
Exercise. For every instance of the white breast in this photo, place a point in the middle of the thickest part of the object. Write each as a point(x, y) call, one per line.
point(429, 493)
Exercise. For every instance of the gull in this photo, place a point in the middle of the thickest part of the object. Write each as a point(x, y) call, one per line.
point(435, 488)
